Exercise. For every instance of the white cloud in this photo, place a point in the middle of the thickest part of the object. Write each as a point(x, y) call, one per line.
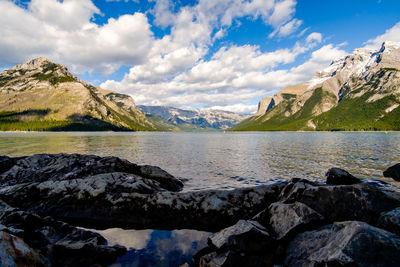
point(392, 34)
point(287, 29)
point(315, 36)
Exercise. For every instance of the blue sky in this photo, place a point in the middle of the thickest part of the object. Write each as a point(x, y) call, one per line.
point(222, 54)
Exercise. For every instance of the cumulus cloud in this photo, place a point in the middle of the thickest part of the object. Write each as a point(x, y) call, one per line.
point(63, 31)
point(392, 34)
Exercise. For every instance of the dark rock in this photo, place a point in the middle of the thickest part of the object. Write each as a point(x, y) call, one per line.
point(59, 243)
point(393, 172)
point(348, 243)
point(244, 236)
point(233, 259)
point(6, 163)
point(338, 176)
point(121, 199)
point(390, 221)
point(64, 167)
point(286, 220)
point(15, 252)
point(361, 202)
point(262, 217)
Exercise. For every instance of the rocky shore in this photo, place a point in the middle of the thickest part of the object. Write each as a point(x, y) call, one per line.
point(44, 198)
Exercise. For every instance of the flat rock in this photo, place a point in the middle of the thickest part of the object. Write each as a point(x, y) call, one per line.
point(350, 243)
point(361, 202)
point(390, 221)
point(109, 194)
point(244, 236)
point(286, 220)
point(337, 176)
point(393, 172)
point(58, 243)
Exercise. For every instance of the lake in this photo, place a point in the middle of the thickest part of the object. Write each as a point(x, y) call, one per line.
point(226, 160)
point(215, 160)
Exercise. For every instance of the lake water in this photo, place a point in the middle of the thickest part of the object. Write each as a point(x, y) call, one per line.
point(215, 160)
point(226, 160)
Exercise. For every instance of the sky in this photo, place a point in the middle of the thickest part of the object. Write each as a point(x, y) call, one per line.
point(219, 54)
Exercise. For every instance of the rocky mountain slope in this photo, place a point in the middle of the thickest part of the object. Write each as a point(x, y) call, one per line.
point(358, 92)
point(42, 95)
point(196, 118)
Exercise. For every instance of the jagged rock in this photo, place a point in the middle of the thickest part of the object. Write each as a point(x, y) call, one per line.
point(58, 243)
point(337, 176)
point(244, 236)
point(393, 172)
point(6, 163)
point(15, 252)
point(348, 243)
point(105, 192)
point(390, 221)
point(361, 202)
point(286, 220)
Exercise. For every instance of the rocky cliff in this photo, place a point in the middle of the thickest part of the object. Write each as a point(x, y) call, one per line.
point(358, 92)
point(42, 95)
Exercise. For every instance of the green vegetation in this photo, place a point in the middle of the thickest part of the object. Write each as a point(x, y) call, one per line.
point(53, 79)
point(390, 69)
point(117, 95)
point(288, 96)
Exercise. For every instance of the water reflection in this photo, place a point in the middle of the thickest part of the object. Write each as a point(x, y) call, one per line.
point(156, 247)
point(227, 160)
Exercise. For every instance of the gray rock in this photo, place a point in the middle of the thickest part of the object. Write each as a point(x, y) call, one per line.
point(232, 259)
point(348, 243)
point(113, 196)
point(361, 202)
point(393, 172)
point(15, 252)
point(244, 236)
point(390, 221)
point(338, 176)
point(58, 243)
point(286, 220)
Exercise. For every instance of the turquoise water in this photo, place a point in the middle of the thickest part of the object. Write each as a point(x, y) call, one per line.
point(226, 160)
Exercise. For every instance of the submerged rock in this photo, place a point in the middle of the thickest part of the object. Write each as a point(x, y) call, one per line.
point(58, 243)
point(106, 193)
point(393, 172)
point(337, 176)
point(361, 202)
point(286, 220)
point(348, 243)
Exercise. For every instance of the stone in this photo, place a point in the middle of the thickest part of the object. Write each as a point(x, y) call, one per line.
point(244, 236)
point(349, 243)
point(106, 193)
point(361, 202)
point(390, 221)
point(233, 259)
point(58, 243)
point(15, 252)
point(337, 176)
point(393, 172)
point(286, 220)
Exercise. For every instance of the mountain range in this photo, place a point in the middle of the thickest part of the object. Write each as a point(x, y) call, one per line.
point(195, 119)
point(358, 92)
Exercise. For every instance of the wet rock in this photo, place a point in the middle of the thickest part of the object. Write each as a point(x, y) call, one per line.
point(63, 167)
point(361, 202)
point(390, 221)
point(393, 172)
point(286, 220)
point(348, 243)
point(15, 252)
point(244, 236)
point(337, 176)
point(59, 243)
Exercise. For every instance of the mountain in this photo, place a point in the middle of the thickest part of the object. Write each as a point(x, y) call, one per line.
point(358, 92)
point(41, 95)
point(195, 119)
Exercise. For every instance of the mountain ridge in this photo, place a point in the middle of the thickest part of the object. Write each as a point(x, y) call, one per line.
point(358, 92)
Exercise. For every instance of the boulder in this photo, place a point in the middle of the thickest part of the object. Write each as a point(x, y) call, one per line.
point(15, 252)
point(58, 243)
point(361, 202)
point(390, 221)
point(349, 243)
point(393, 172)
point(233, 259)
point(107, 194)
point(286, 220)
point(337, 176)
